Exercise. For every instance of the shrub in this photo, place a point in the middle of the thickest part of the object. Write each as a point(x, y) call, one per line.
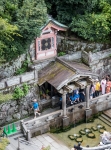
point(23, 69)
point(3, 143)
point(25, 89)
point(61, 53)
point(20, 92)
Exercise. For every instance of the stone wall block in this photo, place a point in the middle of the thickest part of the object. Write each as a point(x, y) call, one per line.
point(9, 118)
point(24, 112)
point(17, 116)
point(11, 111)
point(5, 107)
point(13, 103)
point(109, 60)
point(27, 77)
point(13, 81)
point(100, 64)
point(2, 85)
point(2, 121)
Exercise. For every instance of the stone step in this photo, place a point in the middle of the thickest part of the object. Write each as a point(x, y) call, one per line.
point(17, 133)
point(105, 121)
point(9, 147)
point(107, 113)
point(105, 117)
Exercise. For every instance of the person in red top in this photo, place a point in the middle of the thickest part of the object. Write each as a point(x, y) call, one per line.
point(108, 86)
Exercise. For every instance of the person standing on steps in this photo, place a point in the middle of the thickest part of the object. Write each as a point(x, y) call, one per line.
point(36, 108)
point(97, 88)
point(103, 85)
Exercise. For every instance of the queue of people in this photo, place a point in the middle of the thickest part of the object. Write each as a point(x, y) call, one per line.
point(75, 97)
point(103, 87)
point(96, 88)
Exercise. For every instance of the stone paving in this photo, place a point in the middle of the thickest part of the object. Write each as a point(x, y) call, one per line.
point(37, 143)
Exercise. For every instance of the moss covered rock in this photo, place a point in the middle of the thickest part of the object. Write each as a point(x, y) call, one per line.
point(71, 137)
point(82, 132)
point(91, 135)
point(79, 139)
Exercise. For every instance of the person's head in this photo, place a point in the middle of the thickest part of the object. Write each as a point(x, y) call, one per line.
point(107, 79)
point(108, 75)
point(97, 80)
point(103, 77)
point(34, 100)
point(79, 144)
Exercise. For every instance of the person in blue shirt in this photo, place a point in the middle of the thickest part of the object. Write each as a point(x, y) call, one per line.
point(75, 97)
point(36, 107)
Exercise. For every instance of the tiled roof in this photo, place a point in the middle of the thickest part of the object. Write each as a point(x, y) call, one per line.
point(50, 19)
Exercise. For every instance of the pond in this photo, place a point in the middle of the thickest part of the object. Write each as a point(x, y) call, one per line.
point(86, 140)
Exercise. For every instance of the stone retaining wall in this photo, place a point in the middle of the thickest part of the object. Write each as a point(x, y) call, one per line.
point(12, 110)
point(70, 45)
point(96, 55)
point(9, 83)
point(7, 70)
point(99, 62)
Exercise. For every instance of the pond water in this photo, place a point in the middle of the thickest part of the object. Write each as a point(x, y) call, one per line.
point(86, 141)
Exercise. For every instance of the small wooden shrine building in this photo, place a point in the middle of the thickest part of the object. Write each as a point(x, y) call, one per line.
point(46, 44)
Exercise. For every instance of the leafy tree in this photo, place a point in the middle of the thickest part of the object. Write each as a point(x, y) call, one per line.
point(89, 19)
point(7, 31)
point(92, 26)
point(25, 17)
point(65, 10)
point(30, 17)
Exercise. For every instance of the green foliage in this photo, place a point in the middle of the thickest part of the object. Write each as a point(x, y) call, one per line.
point(3, 143)
point(26, 88)
point(20, 22)
point(90, 26)
point(90, 20)
point(5, 97)
point(23, 69)
point(61, 53)
point(47, 91)
point(20, 92)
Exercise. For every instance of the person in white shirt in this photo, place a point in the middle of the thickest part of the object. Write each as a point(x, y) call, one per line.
point(103, 85)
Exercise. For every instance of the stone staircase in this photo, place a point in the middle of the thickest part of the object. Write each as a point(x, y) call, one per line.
point(106, 117)
point(12, 140)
